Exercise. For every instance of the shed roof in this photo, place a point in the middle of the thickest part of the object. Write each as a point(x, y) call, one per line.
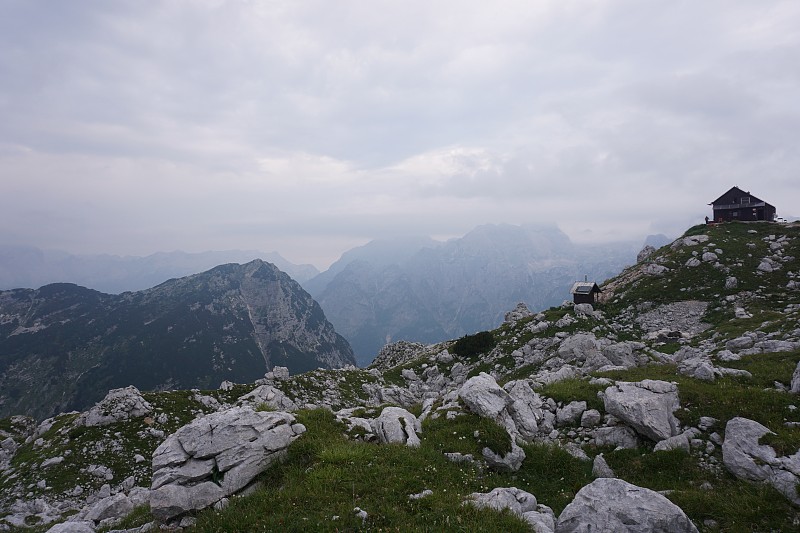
point(585, 287)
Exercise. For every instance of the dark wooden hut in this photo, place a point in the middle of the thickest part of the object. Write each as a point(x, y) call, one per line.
point(585, 292)
point(737, 204)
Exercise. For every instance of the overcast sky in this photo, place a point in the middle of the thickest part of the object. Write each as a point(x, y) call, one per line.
point(310, 127)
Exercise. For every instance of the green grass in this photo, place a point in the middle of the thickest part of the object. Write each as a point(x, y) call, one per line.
point(326, 476)
point(734, 505)
point(576, 389)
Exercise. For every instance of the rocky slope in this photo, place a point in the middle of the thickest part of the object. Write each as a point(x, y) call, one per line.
point(428, 292)
point(678, 396)
point(62, 347)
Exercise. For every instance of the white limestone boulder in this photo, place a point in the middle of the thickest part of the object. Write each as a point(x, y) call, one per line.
point(646, 406)
point(795, 385)
point(117, 406)
point(216, 456)
point(396, 425)
point(609, 504)
point(746, 459)
point(270, 396)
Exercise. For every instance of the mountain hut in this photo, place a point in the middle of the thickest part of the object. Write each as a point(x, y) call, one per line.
point(737, 204)
point(584, 292)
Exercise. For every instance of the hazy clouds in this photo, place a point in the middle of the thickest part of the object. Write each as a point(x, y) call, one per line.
point(309, 127)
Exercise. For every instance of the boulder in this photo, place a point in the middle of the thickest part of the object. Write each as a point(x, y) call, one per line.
point(608, 504)
point(582, 348)
point(647, 406)
point(270, 396)
point(518, 502)
point(678, 442)
point(518, 313)
point(484, 397)
point(118, 405)
point(740, 343)
point(619, 436)
point(525, 408)
point(515, 500)
point(590, 418)
point(511, 462)
point(600, 467)
point(621, 353)
point(795, 386)
point(570, 414)
point(396, 425)
point(654, 269)
point(216, 456)
point(116, 506)
point(644, 253)
point(518, 410)
point(746, 459)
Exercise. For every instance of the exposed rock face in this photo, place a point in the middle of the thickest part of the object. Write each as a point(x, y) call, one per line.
point(270, 396)
point(431, 292)
point(396, 425)
point(517, 412)
point(646, 252)
point(795, 386)
point(216, 456)
point(608, 504)
point(647, 406)
point(118, 405)
point(233, 323)
point(746, 459)
point(518, 502)
point(685, 317)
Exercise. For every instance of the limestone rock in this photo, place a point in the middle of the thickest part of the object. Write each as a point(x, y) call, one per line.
point(270, 396)
point(72, 527)
point(515, 500)
point(396, 425)
point(590, 418)
point(525, 408)
point(215, 456)
point(520, 311)
point(795, 386)
point(118, 405)
point(608, 504)
point(600, 467)
point(645, 252)
point(619, 436)
point(570, 414)
point(512, 461)
point(647, 406)
point(654, 269)
point(746, 459)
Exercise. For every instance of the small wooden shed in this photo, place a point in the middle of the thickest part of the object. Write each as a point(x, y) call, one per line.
point(585, 292)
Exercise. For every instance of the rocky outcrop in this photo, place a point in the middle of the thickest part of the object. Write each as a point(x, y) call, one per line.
point(647, 406)
point(746, 459)
point(795, 385)
point(216, 456)
point(518, 502)
point(608, 504)
point(396, 425)
point(518, 410)
point(118, 405)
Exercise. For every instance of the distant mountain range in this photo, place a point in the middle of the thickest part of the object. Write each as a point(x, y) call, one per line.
point(62, 346)
point(29, 267)
point(423, 290)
